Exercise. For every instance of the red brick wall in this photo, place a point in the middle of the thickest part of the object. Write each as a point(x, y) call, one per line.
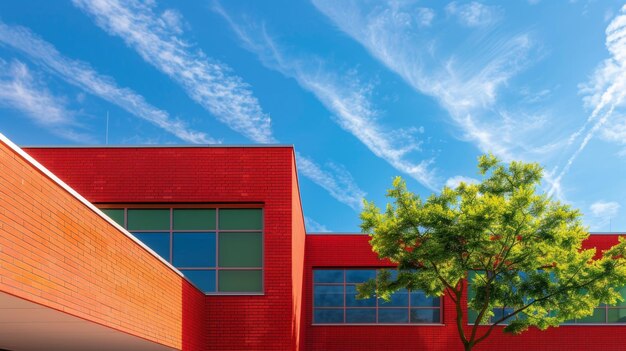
point(58, 252)
point(354, 251)
point(205, 175)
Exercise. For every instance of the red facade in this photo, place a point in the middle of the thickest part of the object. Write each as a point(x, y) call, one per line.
point(281, 318)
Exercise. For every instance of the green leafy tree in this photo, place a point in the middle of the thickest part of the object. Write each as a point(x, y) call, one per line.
point(517, 250)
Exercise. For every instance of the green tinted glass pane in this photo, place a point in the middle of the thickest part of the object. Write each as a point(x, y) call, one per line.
point(240, 249)
point(240, 218)
point(240, 281)
point(116, 214)
point(617, 315)
point(622, 292)
point(148, 219)
point(194, 219)
point(598, 316)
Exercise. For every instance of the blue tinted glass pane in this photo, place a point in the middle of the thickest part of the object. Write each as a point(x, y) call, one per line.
point(472, 315)
point(361, 315)
point(360, 275)
point(159, 242)
point(424, 315)
point(419, 299)
point(203, 279)
point(398, 299)
point(393, 273)
point(194, 250)
point(328, 295)
point(352, 301)
point(393, 315)
point(617, 315)
point(328, 315)
point(328, 276)
point(500, 313)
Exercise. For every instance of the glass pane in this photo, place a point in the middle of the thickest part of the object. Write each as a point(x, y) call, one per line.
point(328, 295)
point(419, 299)
point(360, 275)
point(148, 219)
point(240, 250)
point(203, 279)
point(159, 242)
point(393, 315)
point(328, 276)
point(398, 299)
point(424, 315)
point(598, 316)
point(240, 281)
point(499, 313)
point(116, 214)
point(328, 315)
point(194, 250)
point(240, 219)
point(194, 219)
point(622, 292)
point(352, 301)
point(617, 315)
point(361, 315)
point(472, 315)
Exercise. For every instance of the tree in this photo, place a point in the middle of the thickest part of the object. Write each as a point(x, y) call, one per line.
point(519, 252)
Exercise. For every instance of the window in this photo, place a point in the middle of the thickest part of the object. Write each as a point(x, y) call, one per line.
point(604, 314)
point(335, 302)
point(220, 250)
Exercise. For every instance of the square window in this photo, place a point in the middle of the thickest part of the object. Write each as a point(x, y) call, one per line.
point(241, 219)
point(328, 315)
point(393, 315)
point(158, 242)
point(194, 250)
point(148, 219)
point(328, 276)
point(194, 219)
point(361, 315)
point(240, 281)
point(240, 250)
point(203, 279)
point(328, 295)
point(116, 214)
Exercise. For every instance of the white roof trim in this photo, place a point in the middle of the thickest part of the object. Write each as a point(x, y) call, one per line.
point(80, 198)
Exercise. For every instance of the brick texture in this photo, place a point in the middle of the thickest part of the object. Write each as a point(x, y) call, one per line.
point(337, 251)
point(209, 175)
point(57, 252)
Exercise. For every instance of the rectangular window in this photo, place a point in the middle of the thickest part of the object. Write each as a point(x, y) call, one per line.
point(220, 250)
point(603, 314)
point(335, 302)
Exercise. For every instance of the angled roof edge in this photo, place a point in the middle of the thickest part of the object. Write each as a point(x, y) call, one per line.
point(80, 198)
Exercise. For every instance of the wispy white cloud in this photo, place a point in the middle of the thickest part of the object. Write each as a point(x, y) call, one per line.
point(210, 83)
point(344, 95)
point(602, 212)
point(23, 91)
point(334, 179)
point(466, 84)
point(313, 227)
point(424, 16)
point(82, 75)
point(604, 209)
point(473, 14)
point(605, 94)
point(455, 181)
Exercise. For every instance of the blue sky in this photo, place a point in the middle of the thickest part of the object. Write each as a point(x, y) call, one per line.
point(364, 90)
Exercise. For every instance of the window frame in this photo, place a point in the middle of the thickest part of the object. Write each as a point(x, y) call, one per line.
point(377, 306)
point(171, 231)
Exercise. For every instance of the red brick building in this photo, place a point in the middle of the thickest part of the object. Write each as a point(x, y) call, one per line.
point(204, 248)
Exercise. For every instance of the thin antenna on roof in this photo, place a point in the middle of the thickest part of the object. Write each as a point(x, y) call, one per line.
point(106, 136)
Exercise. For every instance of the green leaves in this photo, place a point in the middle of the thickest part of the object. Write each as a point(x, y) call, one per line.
point(522, 249)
